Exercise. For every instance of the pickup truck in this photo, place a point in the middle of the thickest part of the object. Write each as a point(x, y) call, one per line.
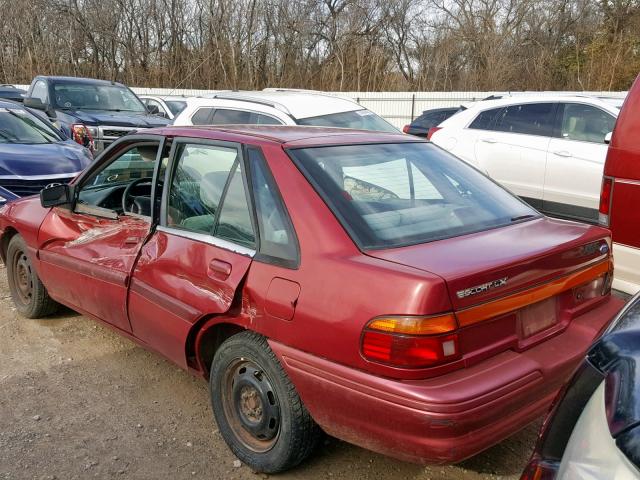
point(92, 112)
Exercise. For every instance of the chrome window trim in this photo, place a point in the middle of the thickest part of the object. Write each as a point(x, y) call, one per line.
point(208, 239)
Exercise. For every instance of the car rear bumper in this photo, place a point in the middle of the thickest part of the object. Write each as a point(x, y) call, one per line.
point(448, 418)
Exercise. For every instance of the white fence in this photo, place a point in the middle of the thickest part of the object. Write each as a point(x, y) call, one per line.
point(399, 108)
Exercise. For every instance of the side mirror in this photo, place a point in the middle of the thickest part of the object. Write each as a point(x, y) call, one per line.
point(607, 138)
point(38, 105)
point(54, 195)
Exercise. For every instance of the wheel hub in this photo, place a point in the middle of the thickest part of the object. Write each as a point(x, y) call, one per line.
point(255, 413)
point(22, 278)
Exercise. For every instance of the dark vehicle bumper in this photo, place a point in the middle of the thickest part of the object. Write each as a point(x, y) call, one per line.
point(451, 417)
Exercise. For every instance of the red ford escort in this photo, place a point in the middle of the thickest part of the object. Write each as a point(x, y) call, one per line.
point(366, 284)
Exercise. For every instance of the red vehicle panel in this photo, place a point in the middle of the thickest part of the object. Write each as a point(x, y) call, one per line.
point(366, 284)
point(621, 192)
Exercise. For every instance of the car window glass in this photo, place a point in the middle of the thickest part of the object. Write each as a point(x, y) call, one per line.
point(234, 223)
point(386, 214)
point(198, 182)
point(201, 117)
point(40, 91)
point(277, 237)
point(17, 125)
point(529, 118)
point(360, 119)
point(585, 123)
point(105, 187)
point(387, 180)
point(484, 120)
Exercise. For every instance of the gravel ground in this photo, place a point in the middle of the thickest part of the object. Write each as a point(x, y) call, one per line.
point(77, 401)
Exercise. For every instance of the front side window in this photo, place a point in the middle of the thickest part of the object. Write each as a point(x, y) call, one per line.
point(134, 168)
point(358, 119)
point(528, 119)
point(176, 106)
point(19, 126)
point(400, 194)
point(40, 91)
point(207, 194)
point(585, 123)
point(87, 96)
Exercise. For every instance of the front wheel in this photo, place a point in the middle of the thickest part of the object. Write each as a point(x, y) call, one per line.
point(27, 291)
point(258, 410)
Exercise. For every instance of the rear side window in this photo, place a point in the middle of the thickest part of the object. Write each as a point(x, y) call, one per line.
point(529, 119)
point(484, 121)
point(392, 195)
point(198, 182)
point(224, 116)
point(202, 116)
point(585, 123)
point(278, 241)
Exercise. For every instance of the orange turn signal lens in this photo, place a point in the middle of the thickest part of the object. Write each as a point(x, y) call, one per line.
point(414, 325)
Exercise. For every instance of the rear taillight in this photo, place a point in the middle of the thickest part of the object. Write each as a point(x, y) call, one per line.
point(405, 129)
point(82, 135)
point(538, 469)
point(411, 342)
point(431, 131)
point(606, 193)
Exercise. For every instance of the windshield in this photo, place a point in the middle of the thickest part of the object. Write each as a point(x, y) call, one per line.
point(19, 126)
point(358, 119)
point(176, 106)
point(84, 96)
point(401, 194)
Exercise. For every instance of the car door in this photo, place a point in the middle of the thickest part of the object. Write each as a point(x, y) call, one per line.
point(87, 251)
point(199, 254)
point(514, 150)
point(575, 161)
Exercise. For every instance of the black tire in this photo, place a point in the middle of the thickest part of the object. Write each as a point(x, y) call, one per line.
point(27, 291)
point(270, 431)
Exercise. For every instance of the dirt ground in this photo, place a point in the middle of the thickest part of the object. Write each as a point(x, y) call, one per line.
point(77, 401)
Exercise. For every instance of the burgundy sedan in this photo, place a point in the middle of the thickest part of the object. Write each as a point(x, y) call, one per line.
point(368, 285)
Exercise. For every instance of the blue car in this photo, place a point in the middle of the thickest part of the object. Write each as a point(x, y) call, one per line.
point(33, 153)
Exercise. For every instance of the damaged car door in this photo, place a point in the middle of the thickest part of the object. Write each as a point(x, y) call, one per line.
point(200, 252)
point(87, 250)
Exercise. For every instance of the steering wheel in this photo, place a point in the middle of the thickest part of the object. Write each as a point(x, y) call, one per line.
point(127, 192)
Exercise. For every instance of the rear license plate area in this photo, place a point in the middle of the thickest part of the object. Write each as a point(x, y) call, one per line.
point(537, 317)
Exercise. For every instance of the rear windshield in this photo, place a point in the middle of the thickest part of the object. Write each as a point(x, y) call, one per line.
point(19, 126)
point(359, 119)
point(392, 195)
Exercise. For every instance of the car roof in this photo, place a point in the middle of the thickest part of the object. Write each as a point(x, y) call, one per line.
point(533, 98)
point(297, 103)
point(289, 136)
point(80, 80)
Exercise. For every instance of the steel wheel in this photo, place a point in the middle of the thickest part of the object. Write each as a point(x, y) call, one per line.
point(29, 294)
point(251, 405)
point(23, 277)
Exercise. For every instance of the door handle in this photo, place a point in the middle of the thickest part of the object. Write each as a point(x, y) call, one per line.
point(562, 153)
point(219, 268)
point(131, 241)
point(489, 140)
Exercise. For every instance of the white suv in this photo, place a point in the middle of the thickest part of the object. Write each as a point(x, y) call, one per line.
point(280, 107)
point(549, 150)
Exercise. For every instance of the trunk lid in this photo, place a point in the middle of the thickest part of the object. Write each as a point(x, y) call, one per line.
point(495, 263)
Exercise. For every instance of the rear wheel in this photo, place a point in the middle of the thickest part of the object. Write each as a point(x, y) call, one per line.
point(27, 291)
point(257, 408)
